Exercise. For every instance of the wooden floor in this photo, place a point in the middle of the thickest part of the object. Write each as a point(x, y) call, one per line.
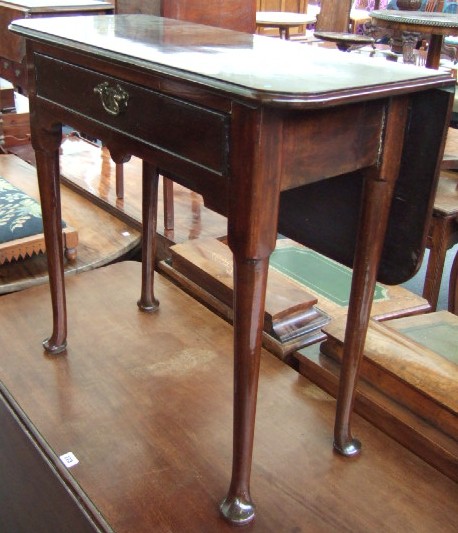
point(144, 402)
point(103, 238)
point(298, 483)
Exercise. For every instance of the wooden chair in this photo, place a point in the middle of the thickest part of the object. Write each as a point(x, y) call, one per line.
point(431, 5)
point(334, 16)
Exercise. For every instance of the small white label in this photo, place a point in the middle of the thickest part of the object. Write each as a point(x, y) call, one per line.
point(69, 459)
point(125, 234)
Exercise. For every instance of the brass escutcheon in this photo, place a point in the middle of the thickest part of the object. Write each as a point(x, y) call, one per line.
point(114, 99)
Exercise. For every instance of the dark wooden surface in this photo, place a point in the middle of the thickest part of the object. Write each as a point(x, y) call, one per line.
point(232, 156)
point(149, 418)
point(33, 497)
point(308, 220)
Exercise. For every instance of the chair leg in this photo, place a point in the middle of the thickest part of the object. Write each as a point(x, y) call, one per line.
point(453, 287)
point(169, 217)
point(440, 236)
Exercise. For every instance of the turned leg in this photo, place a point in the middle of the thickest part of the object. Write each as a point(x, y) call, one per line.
point(150, 177)
point(47, 160)
point(376, 202)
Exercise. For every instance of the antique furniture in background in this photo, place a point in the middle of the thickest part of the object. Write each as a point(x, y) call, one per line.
point(334, 16)
point(199, 103)
point(283, 21)
point(436, 24)
point(21, 228)
point(442, 236)
point(283, 15)
point(12, 47)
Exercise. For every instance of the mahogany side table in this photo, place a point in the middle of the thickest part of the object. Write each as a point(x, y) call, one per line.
point(237, 118)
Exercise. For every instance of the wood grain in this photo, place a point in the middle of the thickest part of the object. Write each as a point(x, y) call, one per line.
point(147, 411)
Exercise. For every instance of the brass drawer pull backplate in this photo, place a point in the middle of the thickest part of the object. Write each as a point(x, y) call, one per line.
point(114, 99)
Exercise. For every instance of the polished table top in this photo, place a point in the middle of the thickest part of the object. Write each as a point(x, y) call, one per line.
point(253, 66)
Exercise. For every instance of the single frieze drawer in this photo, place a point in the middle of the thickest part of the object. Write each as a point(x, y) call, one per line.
point(183, 129)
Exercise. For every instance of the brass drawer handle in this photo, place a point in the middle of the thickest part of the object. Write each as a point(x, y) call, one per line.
point(114, 99)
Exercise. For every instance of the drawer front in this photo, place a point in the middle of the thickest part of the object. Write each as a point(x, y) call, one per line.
point(175, 126)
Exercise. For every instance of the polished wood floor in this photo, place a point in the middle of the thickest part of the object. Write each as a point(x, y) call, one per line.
point(144, 403)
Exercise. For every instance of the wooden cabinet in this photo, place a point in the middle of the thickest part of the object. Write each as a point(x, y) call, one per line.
point(239, 15)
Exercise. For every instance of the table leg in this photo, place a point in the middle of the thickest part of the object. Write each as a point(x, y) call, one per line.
point(434, 51)
point(250, 281)
point(150, 178)
point(46, 145)
point(441, 229)
point(252, 225)
point(376, 203)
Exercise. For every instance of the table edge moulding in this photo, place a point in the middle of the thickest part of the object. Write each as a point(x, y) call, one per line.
point(238, 118)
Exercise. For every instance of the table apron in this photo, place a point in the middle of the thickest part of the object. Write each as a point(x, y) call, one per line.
point(324, 143)
point(171, 125)
point(193, 142)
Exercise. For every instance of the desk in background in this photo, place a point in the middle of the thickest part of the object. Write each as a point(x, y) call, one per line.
point(238, 118)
